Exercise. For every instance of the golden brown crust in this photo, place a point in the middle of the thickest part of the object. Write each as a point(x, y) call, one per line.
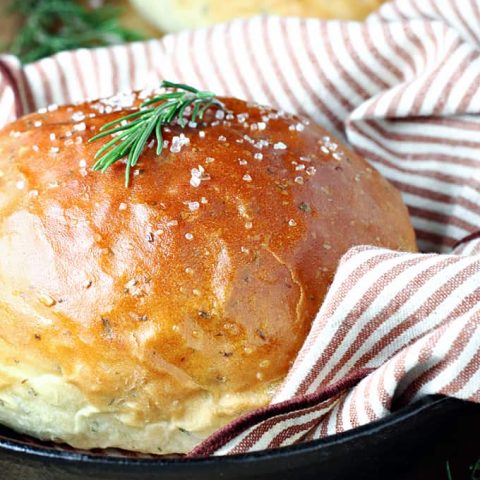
point(144, 297)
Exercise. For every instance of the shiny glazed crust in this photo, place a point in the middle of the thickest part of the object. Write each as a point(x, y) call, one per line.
point(147, 317)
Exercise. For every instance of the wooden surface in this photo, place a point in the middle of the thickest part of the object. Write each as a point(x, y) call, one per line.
point(8, 26)
point(132, 20)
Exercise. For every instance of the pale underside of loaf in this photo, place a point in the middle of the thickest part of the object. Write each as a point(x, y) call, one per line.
point(50, 407)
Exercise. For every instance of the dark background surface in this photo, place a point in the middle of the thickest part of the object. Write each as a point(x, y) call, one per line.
point(415, 444)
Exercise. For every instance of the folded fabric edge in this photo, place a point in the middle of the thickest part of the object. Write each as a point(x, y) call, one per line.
point(233, 429)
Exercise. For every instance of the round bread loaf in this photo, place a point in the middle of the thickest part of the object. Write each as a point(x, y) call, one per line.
point(175, 15)
point(147, 317)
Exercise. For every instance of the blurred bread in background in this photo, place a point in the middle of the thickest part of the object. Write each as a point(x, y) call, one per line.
point(175, 15)
point(21, 35)
point(130, 18)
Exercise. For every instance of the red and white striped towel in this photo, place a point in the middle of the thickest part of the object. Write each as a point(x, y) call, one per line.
point(403, 88)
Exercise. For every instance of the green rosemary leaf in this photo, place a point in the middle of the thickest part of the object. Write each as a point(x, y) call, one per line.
point(115, 130)
point(182, 86)
point(126, 117)
point(204, 108)
point(196, 107)
point(159, 137)
point(132, 132)
point(109, 144)
point(181, 113)
point(141, 141)
point(167, 96)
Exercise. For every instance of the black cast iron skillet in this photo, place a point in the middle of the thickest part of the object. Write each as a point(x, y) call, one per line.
point(436, 438)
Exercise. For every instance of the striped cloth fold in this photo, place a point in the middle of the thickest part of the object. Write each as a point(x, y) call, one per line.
point(403, 89)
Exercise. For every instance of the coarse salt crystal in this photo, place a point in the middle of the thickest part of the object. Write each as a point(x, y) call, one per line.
point(189, 236)
point(280, 146)
point(178, 142)
point(292, 222)
point(197, 176)
point(299, 180)
point(195, 181)
point(46, 300)
point(324, 149)
point(78, 116)
point(80, 127)
point(258, 156)
point(247, 178)
point(331, 146)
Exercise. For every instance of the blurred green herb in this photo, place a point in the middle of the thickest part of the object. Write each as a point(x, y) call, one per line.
point(474, 471)
point(51, 26)
point(449, 472)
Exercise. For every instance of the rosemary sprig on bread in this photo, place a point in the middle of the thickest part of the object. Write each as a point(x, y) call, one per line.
point(132, 132)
